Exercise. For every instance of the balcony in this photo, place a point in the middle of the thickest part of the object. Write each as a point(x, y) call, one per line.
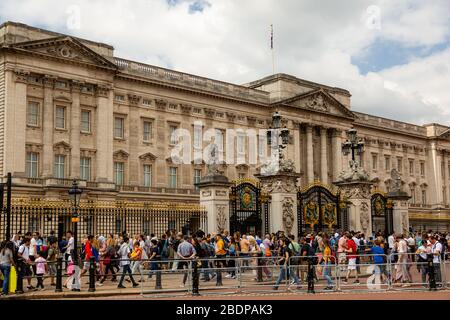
point(143, 189)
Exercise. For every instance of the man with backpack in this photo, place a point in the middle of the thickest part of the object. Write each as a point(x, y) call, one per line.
point(295, 249)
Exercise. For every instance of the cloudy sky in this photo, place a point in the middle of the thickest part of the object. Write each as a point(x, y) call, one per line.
point(393, 56)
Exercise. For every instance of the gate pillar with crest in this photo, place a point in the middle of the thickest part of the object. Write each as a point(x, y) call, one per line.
point(357, 196)
point(214, 196)
point(282, 187)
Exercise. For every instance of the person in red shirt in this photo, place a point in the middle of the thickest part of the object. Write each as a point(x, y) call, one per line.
point(87, 254)
point(351, 255)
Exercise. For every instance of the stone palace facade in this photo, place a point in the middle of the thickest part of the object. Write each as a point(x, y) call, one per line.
point(70, 109)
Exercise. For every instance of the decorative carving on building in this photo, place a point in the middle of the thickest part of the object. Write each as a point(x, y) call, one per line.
point(251, 120)
point(120, 155)
point(405, 228)
point(87, 153)
point(61, 147)
point(49, 81)
point(230, 116)
point(364, 217)
point(206, 193)
point(161, 104)
point(221, 217)
point(395, 182)
point(134, 99)
point(353, 173)
point(221, 193)
point(186, 108)
point(21, 75)
point(147, 157)
point(288, 214)
point(209, 112)
point(316, 102)
point(76, 85)
point(213, 161)
point(355, 191)
point(102, 91)
point(279, 184)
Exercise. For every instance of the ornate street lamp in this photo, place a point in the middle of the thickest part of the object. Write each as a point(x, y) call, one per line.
point(75, 196)
point(353, 145)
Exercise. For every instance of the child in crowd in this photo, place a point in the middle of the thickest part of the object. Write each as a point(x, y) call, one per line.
point(41, 270)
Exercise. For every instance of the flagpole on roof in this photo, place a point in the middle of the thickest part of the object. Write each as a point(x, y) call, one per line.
point(271, 48)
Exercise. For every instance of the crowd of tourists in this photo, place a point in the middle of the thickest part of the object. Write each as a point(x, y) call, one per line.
point(138, 257)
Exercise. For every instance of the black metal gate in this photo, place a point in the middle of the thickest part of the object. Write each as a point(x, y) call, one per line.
point(249, 209)
point(382, 214)
point(319, 209)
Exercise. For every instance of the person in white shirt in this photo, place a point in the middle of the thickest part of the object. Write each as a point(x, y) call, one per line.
point(403, 261)
point(391, 241)
point(436, 249)
point(25, 262)
point(124, 253)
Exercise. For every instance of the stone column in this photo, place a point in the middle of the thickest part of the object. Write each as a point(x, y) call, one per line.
point(297, 146)
point(337, 153)
point(309, 155)
point(400, 211)
point(75, 131)
point(48, 127)
point(214, 196)
point(323, 156)
point(357, 195)
point(104, 137)
point(15, 122)
point(435, 192)
point(283, 207)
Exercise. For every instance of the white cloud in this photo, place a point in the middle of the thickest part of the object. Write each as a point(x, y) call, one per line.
point(229, 40)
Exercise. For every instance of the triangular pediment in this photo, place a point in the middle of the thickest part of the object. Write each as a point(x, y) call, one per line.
point(445, 134)
point(66, 48)
point(147, 156)
point(319, 101)
point(120, 154)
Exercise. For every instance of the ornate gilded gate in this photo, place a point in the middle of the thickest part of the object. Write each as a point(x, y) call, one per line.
point(249, 208)
point(319, 209)
point(382, 213)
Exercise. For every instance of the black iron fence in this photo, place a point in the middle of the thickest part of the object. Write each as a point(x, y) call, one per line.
point(102, 218)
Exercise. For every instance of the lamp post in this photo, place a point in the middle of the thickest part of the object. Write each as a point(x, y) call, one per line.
point(75, 196)
point(278, 136)
point(353, 144)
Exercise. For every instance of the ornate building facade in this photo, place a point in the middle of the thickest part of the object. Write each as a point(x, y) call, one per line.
point(70, 109)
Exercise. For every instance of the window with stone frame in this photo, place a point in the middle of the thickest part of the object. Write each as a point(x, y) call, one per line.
point(33, 113)
point(422, 168)
point(198, 136)
point(32, 165)
point(60, 166)
point(413, 194)
point(85, 118)
point(399, 164)
point(119, 173)
point(424, 196)
point(387, 163)
point(173, 177)
point(147, 128)
point(85, 168)
point(197, 177)
point(60, 117)
point(119, 128)
point(173, 138)
point(411, 167)
point(147, 169)
point(374, 161)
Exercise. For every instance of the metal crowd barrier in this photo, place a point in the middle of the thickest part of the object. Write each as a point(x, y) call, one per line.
point(258, 274)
